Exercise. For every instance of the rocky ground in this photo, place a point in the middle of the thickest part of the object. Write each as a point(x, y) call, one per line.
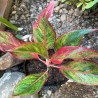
point(64, 19)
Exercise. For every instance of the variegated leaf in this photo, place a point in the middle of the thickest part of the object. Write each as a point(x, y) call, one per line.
point(31, 84)
point(8, 41)
point(29, 50)
point(73, 52)
point(46, 13)
point(43, 31)
point(81, 72)
point(71, 39)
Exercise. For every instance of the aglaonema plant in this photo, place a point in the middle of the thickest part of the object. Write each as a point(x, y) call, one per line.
point(78, 68)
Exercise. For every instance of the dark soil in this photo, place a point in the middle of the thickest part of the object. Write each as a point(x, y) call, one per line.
point(55, 77)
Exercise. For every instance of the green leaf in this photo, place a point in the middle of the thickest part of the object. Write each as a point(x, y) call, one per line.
point(29, 50)
point(81, 72)
point(91, 4)
point(83, 7)
point(31, 84)
point(71, 39)
point(79, 4)
point(8, 24)
point(44, 33)
point(63, 0)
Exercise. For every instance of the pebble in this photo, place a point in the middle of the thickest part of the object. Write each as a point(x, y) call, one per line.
point(16, 16)
point(71, 12)
point(62, 5)
point(14, 7)
point(85, 13)
point(27, 37)
point(56, 9)
point(49, 92)
point(14, 12)
point(20, 29)
point(40, 8)
point(60, 11)
point(63, 17)
point(65, 11)
point(57, 3)
point(77, 12)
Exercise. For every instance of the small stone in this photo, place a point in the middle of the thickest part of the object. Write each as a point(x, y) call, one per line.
point(71, 12)
point(56, 9)
point(27, 15)
point(77, 12)
point(14, 12)
point(22, 17)
point(60, 11)
point(62, 5)
point(20, 29)
point(23, 5)
point(14, 7)
point(65, 11)
point(86, 16)
point(96, 96)
point(12, 21)
point(16, 16)
point(85, 13)
point(63, 17)
point(27, 37)
point(49, 92)
point(19, 12)
point(40, 8)
point(12, 18)
point(56, 3)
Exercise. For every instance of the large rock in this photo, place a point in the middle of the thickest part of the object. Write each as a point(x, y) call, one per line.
point(8, 83)
point(7, 60)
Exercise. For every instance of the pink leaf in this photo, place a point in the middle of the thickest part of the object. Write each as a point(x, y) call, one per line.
point(73, 52)
point(46, 13)
point(8, 41)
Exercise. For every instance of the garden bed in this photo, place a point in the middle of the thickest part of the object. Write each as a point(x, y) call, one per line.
point(65, 18)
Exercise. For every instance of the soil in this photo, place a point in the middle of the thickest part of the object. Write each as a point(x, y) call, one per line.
point(75, 90)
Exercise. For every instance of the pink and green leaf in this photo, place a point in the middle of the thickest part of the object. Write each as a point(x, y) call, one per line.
point(8, 41)
point(29, 50)
point(46, 13)
point(81, 72)
point(72, 52)
point(31, 84)
point(43, 31)
point(72, 38)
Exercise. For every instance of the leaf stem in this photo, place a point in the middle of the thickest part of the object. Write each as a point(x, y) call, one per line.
point(42, 61)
